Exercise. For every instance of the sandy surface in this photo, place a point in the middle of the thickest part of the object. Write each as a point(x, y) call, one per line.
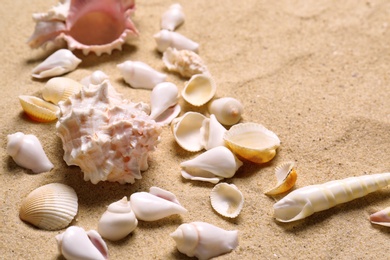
point(314, 72)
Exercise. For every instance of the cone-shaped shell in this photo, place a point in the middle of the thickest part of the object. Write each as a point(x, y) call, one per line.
point(227, 110)
point(59, 89)
point(252, 141)
point(199, 90)
point(212, 133)
point(165, 39)
point(286, 176)
point(173, 17)
point(140, 75)
point(163, 98)
point(227, 200)
point(38, 109)
point(50, 207)
point(381, 217)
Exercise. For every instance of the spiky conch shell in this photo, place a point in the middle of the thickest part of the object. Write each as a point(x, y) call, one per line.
point(108, 137)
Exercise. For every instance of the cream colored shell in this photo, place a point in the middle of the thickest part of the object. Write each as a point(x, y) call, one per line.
point(199, 90)
point(227, 110)
point(59, 89)
point(38, 109)
point(227, 199)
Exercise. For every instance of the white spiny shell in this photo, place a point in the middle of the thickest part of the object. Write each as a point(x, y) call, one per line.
point(165, 39)
point(227, 200)
point(228, 110)
point(199, 90)
point(77, 244)
point(381, 217)
point(305, 201)
point(59, 89)
point(27, 151)
point(286, 177)
point(60, 62)
point(96, 78)
point(252, 141)
point(58, 12)
point(117, 221)
point(186, 130)
point(212, 165)
point(204, 240)
point(173, 17)
point(38, 109)
point(155, 205)
point(140, 75)
point(107, 136)
point(50, 207)
point(212, 133)
point(164, 102)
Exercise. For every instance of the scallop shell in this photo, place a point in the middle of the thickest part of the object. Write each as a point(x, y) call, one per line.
point(59, 89)
point(173, 17)
point(50, 207)
point(381, 217)
point(199, 90)
point(286, 176)
point(164, 102)
point(165, 39)
point(227, 110)
point(38, 109)
point(227, 200)
point(252, 141)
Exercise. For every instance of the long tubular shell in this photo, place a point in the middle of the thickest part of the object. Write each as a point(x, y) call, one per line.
point(305, 201)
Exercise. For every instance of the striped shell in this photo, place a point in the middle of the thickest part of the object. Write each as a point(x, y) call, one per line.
point(38, 109)
point(227, 200)
point(50, 207)
point(59, 89)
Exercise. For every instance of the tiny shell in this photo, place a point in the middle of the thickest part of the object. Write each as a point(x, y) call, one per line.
point(60, 62)
point(165, 39)
point(173, 17)
point(50, 207)
point(227, 200)
point(140, 75)
point(96, 78)
point(164, 102)
point(38, 109)
point(212, 133)
point(252, 141)
point(212, 165)
point(381, 217)
point(59, 89)
point(286, 176)
point(199, 89)
point(227, 110)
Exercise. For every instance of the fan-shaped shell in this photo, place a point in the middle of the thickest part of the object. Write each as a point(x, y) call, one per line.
point(38, 109)
point(227, 110)
point(286, 176)
point(199, 90)
point(50, 207)
point(60, 88)
point(227, 199)
point(252, 141)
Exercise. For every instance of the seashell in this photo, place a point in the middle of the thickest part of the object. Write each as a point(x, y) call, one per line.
point(165, 39)
point(91, 26)
point(212, 165)
point(50, 207)
point(204, 240)
point(107, 136)
point(286, 177)
point(227, 200)
point(27, 152)
point(227, 110)
point(381, 217)
point(305, 201)
point(164, 102)
point(140, 75)
point(187, 131)
point(96, 78)
point(199, 90)
point(38, 109)
point(173, 17)
point(252, 141)
point(155, 205)
point(60, 62)
point(59, 89)
point(187, 63)
point(212, 133)
point(77, 244)
point(117, 221)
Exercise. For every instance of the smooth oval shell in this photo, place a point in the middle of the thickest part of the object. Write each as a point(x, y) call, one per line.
point(38, 109)
point(173, 17)
point(227, 200)
point(165, 39)
point(199, 90)
point(286, 176)
point(50, 207)
point(252, 141)
point(59, 89)
point(227, 110)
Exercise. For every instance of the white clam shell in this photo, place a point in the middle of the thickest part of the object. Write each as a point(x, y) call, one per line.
point(173, 17)
point(60, 62)
point(164, 102)
point(212, 133)
point(117, 221)
point(165, 39)
point(50, 207)
point(27, 151)
point(199, 90)
point(77, 244)
point(227, 200)
point(381, 217)
point(155, 205)
point(140, 75)
point(59, 89)
point(227, 110)
point(212, 165)
point(96, 78)
point(204, 240)
point(38, 109)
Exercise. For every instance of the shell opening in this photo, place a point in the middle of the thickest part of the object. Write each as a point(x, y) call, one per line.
point(287, 210)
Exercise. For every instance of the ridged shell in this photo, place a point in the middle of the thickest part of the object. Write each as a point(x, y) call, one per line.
point(50, 207)
point(227, 110)
point(38, 109)
point(199, 90)
point(60, 88)
point(252, 141)
point(227, 200)
point(286, 176)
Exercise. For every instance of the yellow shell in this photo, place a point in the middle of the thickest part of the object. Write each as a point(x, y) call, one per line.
point(252, 141)
point(199, 90)
point(59, 89)
point(286, 176)
point(50, 207)
point(38, 109)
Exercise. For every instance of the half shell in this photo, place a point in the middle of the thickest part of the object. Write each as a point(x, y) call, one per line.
point(286, 176)
point(227, 110)
point(50, 207)
point(59, 89)
point(252, 141)
point(227, 200)
point(38, 109)
point(199, 90)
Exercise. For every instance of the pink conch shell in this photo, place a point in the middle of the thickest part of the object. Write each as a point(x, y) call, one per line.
point(98, 26)
point(108, 137)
